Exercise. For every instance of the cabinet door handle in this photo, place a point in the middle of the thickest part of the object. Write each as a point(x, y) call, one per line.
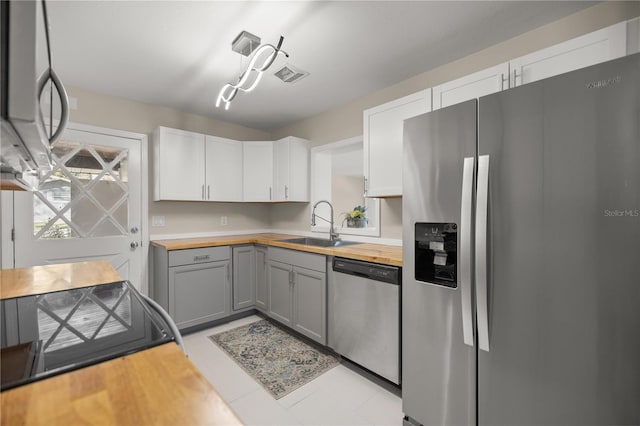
point(270, 191)
point(364, 190)
point(208, 192)
point(286, 192)
point(228, 272)
point(203, 191)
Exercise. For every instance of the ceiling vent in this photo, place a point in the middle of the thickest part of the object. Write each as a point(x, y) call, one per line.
point(290, 74)
point(245, 43)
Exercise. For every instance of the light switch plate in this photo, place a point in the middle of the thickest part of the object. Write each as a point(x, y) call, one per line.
point(157, 220)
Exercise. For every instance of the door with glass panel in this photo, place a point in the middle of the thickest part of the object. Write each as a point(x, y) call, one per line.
point(88, 207)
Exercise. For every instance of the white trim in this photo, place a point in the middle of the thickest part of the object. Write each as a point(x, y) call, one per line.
point(106, 131)
point(340, 144)
point(374, 202)
point(144, 214)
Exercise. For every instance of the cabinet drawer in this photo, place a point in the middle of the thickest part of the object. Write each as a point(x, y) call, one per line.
point(315, 262)
point(199, 255)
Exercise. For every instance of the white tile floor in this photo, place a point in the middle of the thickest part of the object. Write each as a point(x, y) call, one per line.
point(340, 396)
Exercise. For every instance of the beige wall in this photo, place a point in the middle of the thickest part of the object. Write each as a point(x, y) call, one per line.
point(346, 121)
point(333, 125)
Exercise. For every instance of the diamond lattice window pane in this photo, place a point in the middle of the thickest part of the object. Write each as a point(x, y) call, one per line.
point(85, 215)
point(59, 230)
point(62, 148)
point(90, 185)
point(42, 215)
point(84, 164)
point(106, 228)
point(108, 193)
point(121, 170)
point(121, 215)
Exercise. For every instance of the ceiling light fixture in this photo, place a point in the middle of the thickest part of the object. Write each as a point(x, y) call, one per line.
point(262, 59)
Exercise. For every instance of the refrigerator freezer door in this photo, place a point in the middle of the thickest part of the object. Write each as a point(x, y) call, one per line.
point(564, 245)
point(438, 368)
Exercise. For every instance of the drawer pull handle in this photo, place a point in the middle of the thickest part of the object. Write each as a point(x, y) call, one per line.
point(200, 258)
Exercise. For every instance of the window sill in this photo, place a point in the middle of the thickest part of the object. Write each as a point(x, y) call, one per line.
point(367, 232)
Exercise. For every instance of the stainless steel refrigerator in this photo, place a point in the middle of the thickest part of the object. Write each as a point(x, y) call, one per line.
point(521, 255)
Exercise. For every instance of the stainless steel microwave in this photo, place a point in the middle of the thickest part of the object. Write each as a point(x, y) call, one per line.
point(29, 90)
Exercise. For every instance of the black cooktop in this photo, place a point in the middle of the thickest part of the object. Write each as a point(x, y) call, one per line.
point(57, 332)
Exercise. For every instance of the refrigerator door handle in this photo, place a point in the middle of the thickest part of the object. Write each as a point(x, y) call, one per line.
point(465, 255)
point(482, 210)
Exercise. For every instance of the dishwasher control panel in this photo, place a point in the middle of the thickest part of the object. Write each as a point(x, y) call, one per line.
point(374, 271)
point(436, 256)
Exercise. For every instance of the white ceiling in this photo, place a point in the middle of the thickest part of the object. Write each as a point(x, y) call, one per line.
point(178, 53)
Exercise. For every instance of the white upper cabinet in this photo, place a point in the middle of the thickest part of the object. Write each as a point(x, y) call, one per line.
point(223, 168)
point(292, 169)
point(383, 133)
point(194, 167)
point(481, 83)
point(258, 161)
point(179, 168)
point(590, 49)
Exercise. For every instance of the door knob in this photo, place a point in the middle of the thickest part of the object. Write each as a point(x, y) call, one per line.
point(134, 245)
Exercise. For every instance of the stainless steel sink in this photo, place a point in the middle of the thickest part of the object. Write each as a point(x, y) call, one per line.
point(319, 242)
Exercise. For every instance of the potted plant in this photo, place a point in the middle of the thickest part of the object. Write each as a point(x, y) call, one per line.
point(356, 217)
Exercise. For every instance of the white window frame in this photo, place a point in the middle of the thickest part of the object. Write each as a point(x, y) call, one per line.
point(321, 190)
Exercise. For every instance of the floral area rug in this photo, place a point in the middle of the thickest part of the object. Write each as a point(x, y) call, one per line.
point(277, 360)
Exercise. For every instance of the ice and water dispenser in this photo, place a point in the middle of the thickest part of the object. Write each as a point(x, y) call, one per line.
point(436, 253)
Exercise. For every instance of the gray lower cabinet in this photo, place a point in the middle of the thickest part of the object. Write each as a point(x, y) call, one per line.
point(309, 303)
point(298, 291)
point(193, 285)
point(281, 292)
point(244, 277)
point(262, 287)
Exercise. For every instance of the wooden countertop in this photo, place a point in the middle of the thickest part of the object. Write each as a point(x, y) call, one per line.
point(379, 253)
point(45, 279)
point(152, 387)
point(158, 386)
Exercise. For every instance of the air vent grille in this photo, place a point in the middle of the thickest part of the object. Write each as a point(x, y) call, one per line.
point(290, 74)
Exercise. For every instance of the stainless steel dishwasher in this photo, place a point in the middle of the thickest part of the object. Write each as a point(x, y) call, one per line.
point(364, 315)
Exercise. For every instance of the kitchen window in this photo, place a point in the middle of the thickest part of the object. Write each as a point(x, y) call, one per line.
point(338, 177)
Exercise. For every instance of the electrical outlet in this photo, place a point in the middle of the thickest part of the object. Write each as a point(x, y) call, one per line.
point(223, 220)
point(157, 220)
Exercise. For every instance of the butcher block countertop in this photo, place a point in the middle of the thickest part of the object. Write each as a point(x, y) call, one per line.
point(378, 253)
point(45, 279)
point(156, 386)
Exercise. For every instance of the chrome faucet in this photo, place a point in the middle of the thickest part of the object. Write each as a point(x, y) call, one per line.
point(332, 233)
